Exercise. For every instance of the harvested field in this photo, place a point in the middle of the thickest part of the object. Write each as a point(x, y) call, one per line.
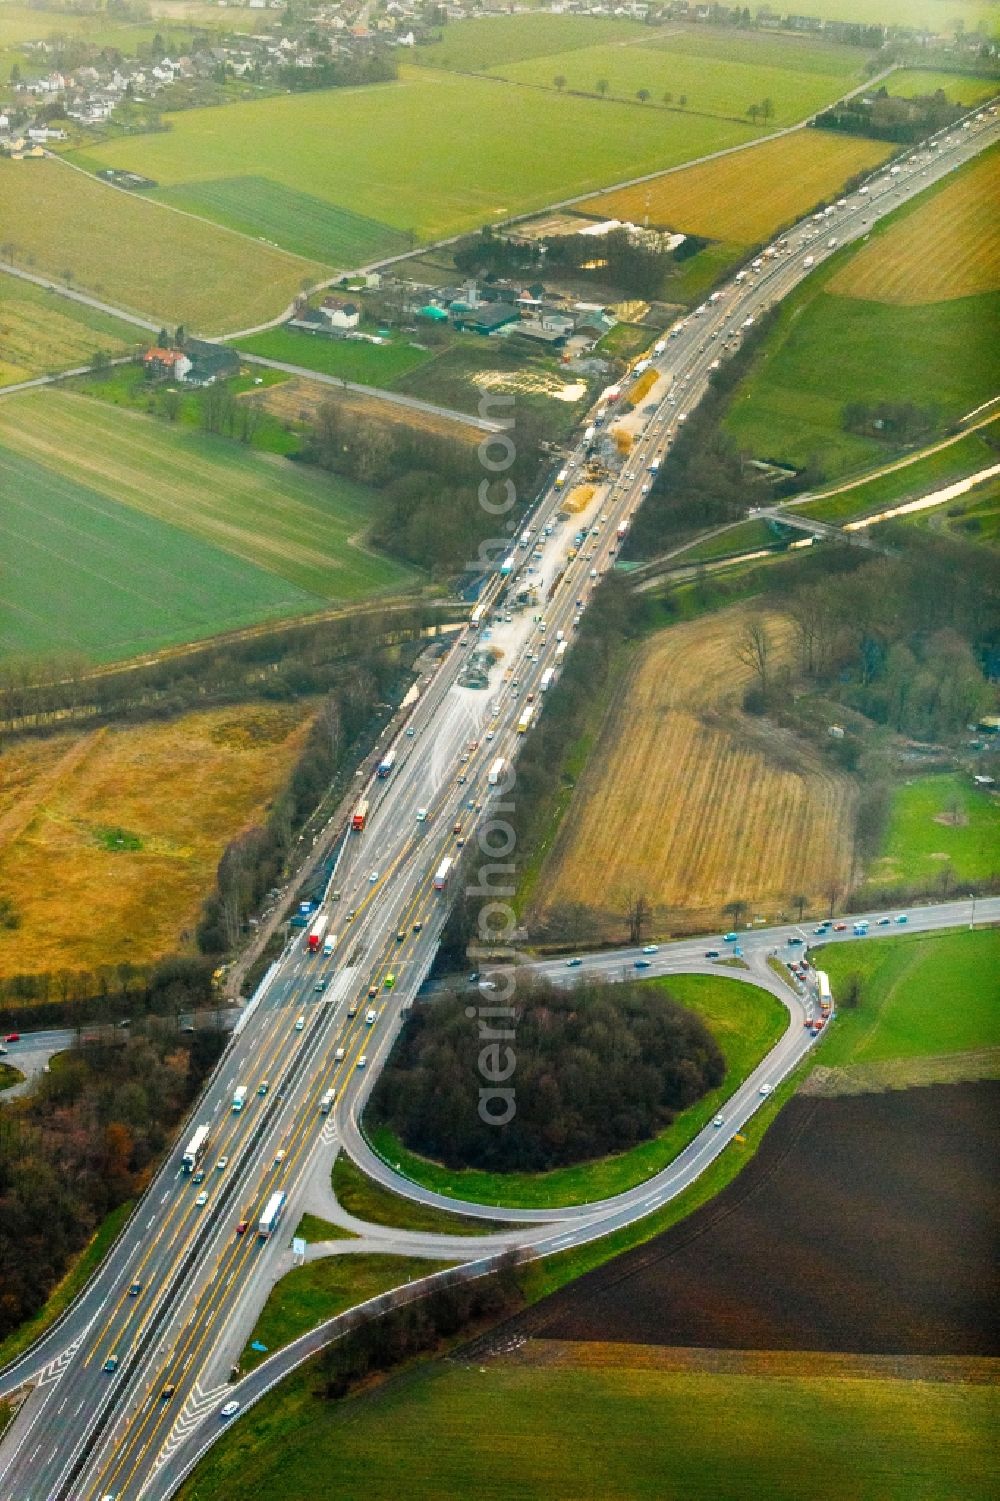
point(864, 1224)
point(175, 794)
point(698, 805)
point(946, 248)
point(298, 400)
point(40, 331)
point(745, 196)
point(138, 255)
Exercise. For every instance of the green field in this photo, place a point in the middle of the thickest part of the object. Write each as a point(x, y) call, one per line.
point(474, 47)
point(825, 351)
point(127, 533)
point(960, 88)
point(140, 256)
point(41, 331)
point(937, 822)
point(310, 1294)
point(563, 1428)
point(763, 49)
point(433, 154)
point(301, 223)
point(922, 995)
point(746, 536)
point(709, 85)
point(351, 359)
point(745, 1020)
point(86, 574)
point(923, 476)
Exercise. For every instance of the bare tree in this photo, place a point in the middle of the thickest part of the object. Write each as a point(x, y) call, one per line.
point(800, 902)
point(637, 915)
point(753, 649)
point(736, 911)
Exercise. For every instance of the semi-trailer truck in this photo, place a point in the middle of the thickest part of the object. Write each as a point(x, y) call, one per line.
point(547, 677)
point(496, 771)
point(238, 1097)
point(314, 938)
point(360, 817)
point(195, 1149)
point(442, 873)
point(561, 650)
point(271, 1217)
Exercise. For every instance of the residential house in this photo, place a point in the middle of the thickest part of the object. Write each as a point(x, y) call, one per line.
point(160, 364)
point(340, 313)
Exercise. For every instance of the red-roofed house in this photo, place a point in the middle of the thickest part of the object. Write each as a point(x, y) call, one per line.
point(158, 363)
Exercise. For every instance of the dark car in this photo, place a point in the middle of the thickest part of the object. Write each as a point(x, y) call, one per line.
point(711, 953)
point(641, 964)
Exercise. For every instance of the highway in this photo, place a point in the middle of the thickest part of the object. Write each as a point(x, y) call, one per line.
point(87, 1432)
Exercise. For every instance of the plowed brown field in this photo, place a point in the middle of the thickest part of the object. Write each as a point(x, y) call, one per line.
point(690, 802)
point(947, 247)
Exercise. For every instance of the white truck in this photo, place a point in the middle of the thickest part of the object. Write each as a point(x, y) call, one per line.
point(271, 1217)
point(326, 1103)
point(496, 771)
point(329, 944)
point(238, 1099)
point(195, 1149)
point(547, 677)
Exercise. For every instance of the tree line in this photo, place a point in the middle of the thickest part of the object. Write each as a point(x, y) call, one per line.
point(84, 997)
point(594, 1069)
point(376, 1345)
point(45, 694)
point(88, 1139)
point(433, 512)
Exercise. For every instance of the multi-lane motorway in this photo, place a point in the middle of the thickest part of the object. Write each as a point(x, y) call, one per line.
point(144, 1355)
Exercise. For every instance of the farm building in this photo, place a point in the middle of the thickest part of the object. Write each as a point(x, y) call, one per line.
point(209, 362)
point(487, 320)
point(160, 363)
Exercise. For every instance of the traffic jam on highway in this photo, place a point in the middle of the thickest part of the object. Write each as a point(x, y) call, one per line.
point(173, 1306)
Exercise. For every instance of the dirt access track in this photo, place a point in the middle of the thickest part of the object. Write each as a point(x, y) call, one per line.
point(866, 1224)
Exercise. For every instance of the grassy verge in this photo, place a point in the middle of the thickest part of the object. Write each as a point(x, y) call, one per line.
point(310, 1294)
point(746, 536)
point(86, 1263)
point(920, 995)
point(909, 482)
point(543, 1277)
point(312, 1229)
point(350, 359)
point(9, 1076)
point(745, 1020)
point(368, 1200)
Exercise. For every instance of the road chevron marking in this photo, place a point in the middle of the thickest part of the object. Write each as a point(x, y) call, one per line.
point(191, 1415)
point(57, 1366)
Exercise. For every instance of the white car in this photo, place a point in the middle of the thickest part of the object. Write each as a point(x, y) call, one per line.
point(421, 815)
point(300, 1024)
point(373, 878)
point(201, 1200)
point(651, 948)
point(338, 1056)
point(222, 1164)
point(765, 1088)
point(719, 1121)
point(230, 1410)
point(279, 1156)
point(370, 1019)
point(362, 1061)
point(490, 734)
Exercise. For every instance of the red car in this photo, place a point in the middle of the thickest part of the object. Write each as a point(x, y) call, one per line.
point(840, 927)
point(241, 1228)
point(13, 1037)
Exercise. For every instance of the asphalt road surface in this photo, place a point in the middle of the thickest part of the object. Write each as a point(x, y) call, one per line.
point(172, 1305)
